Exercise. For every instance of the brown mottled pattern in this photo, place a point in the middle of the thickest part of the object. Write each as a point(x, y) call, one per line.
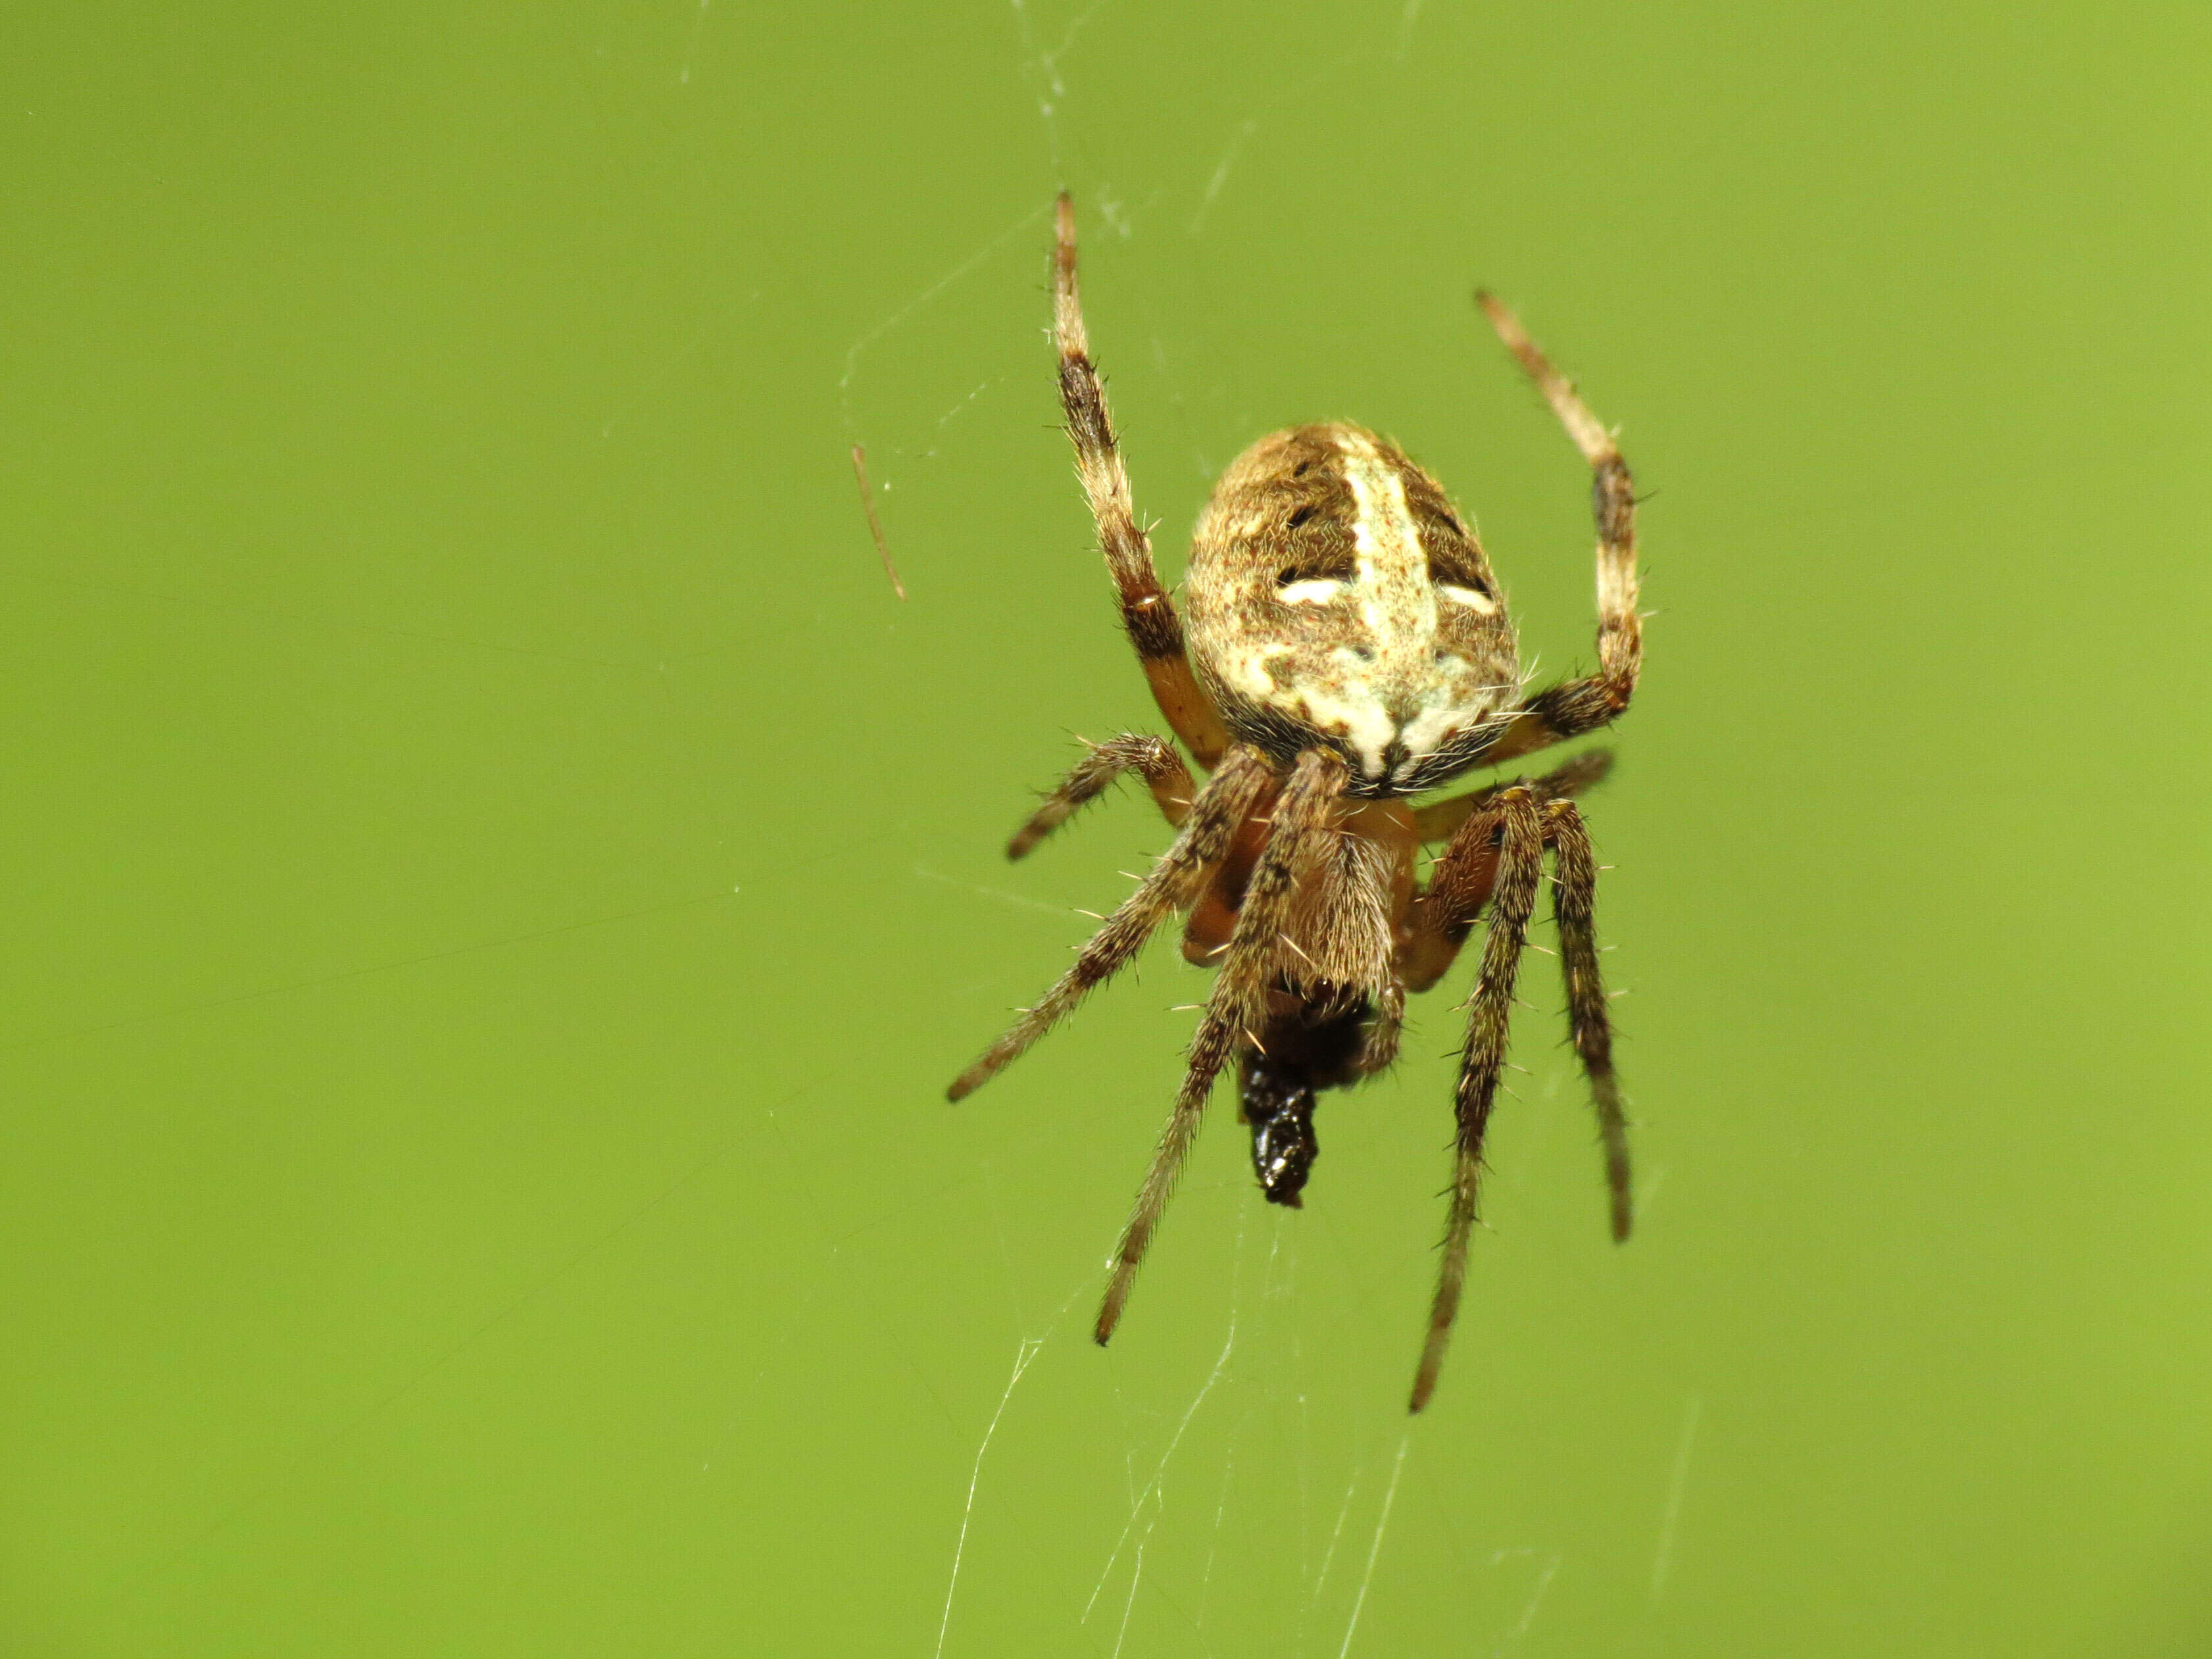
point(1455, 552)
point(1286, 671)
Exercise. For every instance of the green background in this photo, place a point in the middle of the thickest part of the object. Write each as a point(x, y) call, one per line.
point(496, 883)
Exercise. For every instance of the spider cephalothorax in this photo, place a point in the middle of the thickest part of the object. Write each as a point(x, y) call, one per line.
point(1348, 648)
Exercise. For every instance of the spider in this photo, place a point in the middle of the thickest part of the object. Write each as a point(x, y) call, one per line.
point(1346, 649)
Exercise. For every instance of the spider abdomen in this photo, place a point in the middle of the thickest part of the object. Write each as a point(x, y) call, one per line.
point(1338, 598)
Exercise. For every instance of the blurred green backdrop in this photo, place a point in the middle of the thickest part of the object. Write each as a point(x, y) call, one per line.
point(497, 883)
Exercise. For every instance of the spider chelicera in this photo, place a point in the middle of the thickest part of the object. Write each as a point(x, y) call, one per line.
point(1347, 649)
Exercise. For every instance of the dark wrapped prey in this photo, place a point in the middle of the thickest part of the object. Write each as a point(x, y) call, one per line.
point(1306, 1049)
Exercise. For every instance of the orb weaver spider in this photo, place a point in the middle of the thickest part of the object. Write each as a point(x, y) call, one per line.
point(1347, 648)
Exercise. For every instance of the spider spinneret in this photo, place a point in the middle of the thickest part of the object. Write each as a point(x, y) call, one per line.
point(1347, 648)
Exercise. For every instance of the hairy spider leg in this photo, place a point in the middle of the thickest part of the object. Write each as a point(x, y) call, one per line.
point(1441, 820)
point(1574, 906)
point(1337, 1004)
point(1301, 825)
point(1462, 884)
point(1574, 707)
point(1437, 921)
point(1149, 615)
point(1134, 752)
point(1520, 858)
point(1362, 892)
point(1172, 885)
point(1371, 890)
point(1307, 898)
point(1213, 918)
